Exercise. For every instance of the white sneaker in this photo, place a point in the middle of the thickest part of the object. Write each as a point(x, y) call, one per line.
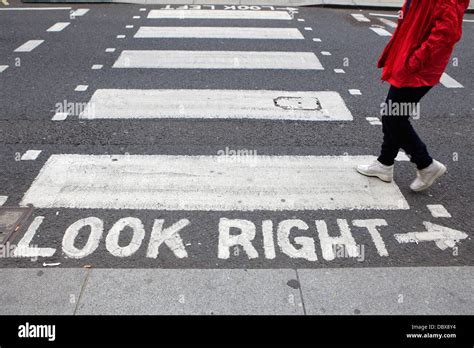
point(377, 169)
point(426, 177)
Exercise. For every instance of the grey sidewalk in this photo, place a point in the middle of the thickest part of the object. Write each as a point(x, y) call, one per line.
point(390, 291)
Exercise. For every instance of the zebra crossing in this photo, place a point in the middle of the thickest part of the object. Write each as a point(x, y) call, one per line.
point(196, 154)
point(302, 182)
point(180, 188)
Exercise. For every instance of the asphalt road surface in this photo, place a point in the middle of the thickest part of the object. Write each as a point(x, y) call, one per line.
point(218, 139)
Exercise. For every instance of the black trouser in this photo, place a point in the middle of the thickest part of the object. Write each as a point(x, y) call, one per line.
point(398, 133)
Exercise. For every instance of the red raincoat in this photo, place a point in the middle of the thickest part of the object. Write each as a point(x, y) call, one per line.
point(422, 44)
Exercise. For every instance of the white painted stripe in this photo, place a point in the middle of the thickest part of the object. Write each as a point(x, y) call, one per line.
point(380, 31)
point(317, 40)
point(219, 33)
point(402, 157)
point(129, 26)
point(3, 68)
point(29, 46)
point(308, 28)
point(210, 183)
point(97, 67)
point(339, 71)
point(355, 92)
point(384, 15)
point(143, 9)
point(326, 53)
point(449, 82)
point(438, 210)
point(30, 155)
point(360, 17)
point(3, 200)
point(468, 20)
point(219, 14)
point(224, 104)
point(34, 8)
point(300, 20)
point(79, 12)
point(81, 88)
point(58, 26)
point(109, 50)
point(60, 116)
point(218, 60)
point(370, 119)
point(375, 123)
point(136, 17)
point(120, 36)
point(388, 22)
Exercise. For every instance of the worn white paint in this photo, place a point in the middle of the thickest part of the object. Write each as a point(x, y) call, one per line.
point(219, 14)
point(371, 226)
point(443, 237)
point(388, 22)
point(29, 46)
point(220, 33)
point(97, 67)
point(449, 82)
point(438, 210)
point(24, 248)
point(208, 183)
point(355, 92)
point(360, 17)
point(60, 116)
point(79, 12)
point(402, 157)
point(317, 39)
point(210, 104)
point(92, 224)
point(120, 36)
point(30, 155)
point(308, 29)
point(3, 200)
point(170, 236)
point(58, 26)
point(129, 26)
point(339, 71)
point(242, 240)
point(380, 31)
point(344, 239)
point(306, 250)
point(3, 68)
point(110, 50)
point(384, 15)
point(326, 53)
point(112, 239)
point(81, 88)
point(153, 59)
point(268, 240)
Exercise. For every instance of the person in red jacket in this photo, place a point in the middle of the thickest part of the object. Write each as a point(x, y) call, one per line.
point(413, 62)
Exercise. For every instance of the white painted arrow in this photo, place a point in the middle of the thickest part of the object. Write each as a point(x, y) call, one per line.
point(444, 237)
